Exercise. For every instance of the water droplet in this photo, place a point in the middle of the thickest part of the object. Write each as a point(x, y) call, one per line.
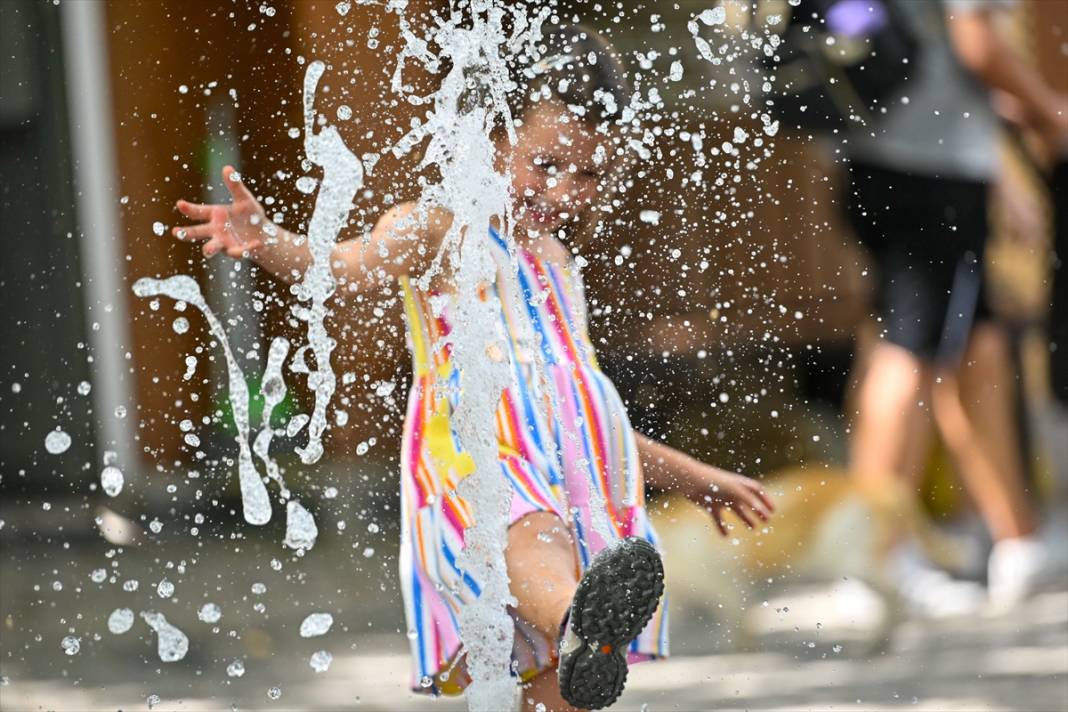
point(111, 481)
point(209, 613)
point(316, 624)
point(274, 693)
point(651, 217)
point(235, 669)
point(84, 387)
point(306, 184)
point(425, 681)
point(165, 589)
point(344, 112)
point(180, 325)
point(156, 526)
point(71, 645)
point(159, 228)
point(120, 620)
point(259, 589)
point(320, 661)
point(57, 442)
point(98, 575)
point(343, 7)
point(714, 16)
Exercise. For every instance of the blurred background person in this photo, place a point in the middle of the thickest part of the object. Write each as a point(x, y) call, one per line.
point(919, 190)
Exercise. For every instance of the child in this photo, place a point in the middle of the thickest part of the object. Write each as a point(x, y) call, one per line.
point(564, 439)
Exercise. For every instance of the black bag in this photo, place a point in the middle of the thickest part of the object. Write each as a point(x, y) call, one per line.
point(839, 62)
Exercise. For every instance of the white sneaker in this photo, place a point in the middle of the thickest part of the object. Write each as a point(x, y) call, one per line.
point(1016, 568)
point(929, 592)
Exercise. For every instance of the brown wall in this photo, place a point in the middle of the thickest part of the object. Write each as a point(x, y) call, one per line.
point(157, 46)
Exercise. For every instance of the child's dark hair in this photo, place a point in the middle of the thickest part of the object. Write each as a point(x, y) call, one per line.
point(577, 67)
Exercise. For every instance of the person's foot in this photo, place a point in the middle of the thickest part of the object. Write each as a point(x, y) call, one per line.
point(926, 591)
point(615, 599)
point(1016, 568)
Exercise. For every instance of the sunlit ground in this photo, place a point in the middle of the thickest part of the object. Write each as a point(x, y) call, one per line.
point(1015, 661)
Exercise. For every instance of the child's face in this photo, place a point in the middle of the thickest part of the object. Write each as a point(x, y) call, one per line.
point(556, 163)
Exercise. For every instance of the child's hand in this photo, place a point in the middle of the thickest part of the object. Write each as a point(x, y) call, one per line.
point(744, 496)
point(237, 228)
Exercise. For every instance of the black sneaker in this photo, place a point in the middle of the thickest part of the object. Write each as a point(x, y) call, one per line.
point(616, 597)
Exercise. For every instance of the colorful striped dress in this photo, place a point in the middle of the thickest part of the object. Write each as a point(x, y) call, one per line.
point(565, 444)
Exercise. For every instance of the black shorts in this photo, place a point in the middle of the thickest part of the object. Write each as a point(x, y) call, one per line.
point(927, 236)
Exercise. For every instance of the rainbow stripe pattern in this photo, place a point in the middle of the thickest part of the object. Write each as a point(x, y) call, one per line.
point(564, 442)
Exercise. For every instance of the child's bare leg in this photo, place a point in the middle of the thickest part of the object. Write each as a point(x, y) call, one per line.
point(975, 414)
point(544, 689)
point(543, 571)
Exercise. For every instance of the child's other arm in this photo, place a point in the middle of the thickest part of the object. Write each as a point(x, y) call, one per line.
point(710, 487)
point(241, 229)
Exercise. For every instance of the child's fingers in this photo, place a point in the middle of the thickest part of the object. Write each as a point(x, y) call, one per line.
point(739, 509)
point(212, 246)
point(757, 504)
point(196, 211)
point(753, 504)
point(719, 523)
point(758, 490)
point(243, 249)
point(193, 232)
point(237, 189)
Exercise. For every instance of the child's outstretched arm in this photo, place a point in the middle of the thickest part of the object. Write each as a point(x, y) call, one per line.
point(710, 487)
point(241, 229)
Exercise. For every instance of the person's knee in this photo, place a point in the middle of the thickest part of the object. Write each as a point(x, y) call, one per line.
point(894, 374)
point(544, 527)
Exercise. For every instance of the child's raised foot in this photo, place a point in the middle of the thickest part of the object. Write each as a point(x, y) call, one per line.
point(614, 601)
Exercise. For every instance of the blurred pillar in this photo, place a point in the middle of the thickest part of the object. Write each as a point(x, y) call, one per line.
point(92, 128)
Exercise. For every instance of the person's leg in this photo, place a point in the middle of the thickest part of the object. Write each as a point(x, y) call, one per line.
point(544, 689)
point(890, 427)
point(974, 412)
point(542, 570)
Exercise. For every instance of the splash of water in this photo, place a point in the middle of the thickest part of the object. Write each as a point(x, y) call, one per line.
point(301, 531)
point(254, 500)
point(171, 643)
point(474, 43)
point(342, 179)
point(273, 390)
